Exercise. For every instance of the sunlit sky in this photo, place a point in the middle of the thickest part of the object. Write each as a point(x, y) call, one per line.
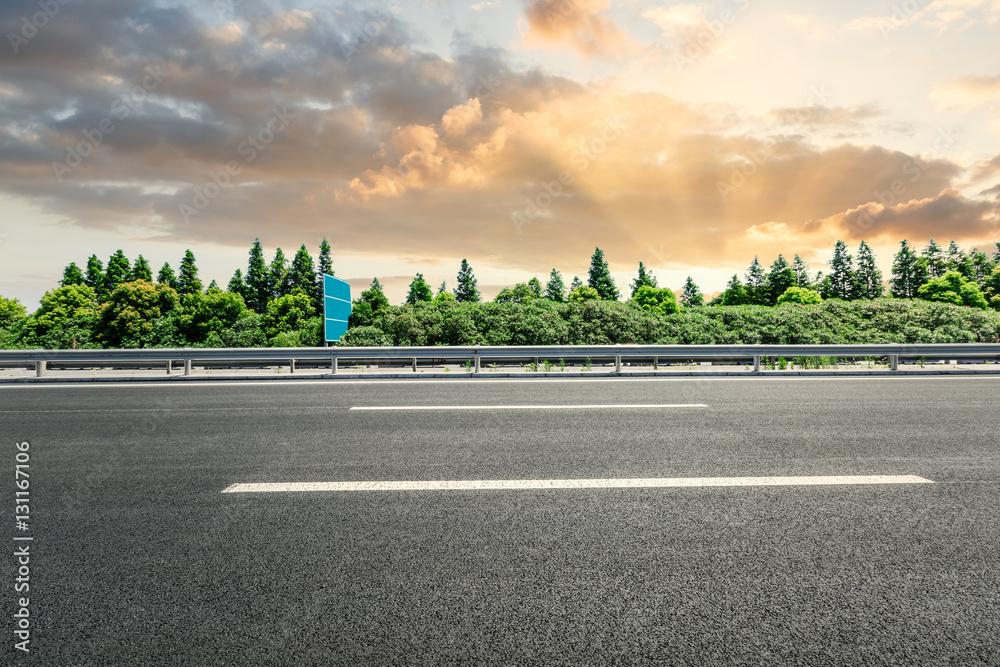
point(517, 134)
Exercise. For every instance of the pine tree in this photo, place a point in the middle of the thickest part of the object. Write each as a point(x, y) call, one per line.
point(934, 255)
point(996, 255)
point(278, 284)
point(419, 290)
point(735, 294)
point(141, 270)
point(955, 257)
point(779, 279)
point(302, 275)
point(556, 288)
point(801, 271)
point(600, 278)
point(645, 279)
point(95, 276)
point(576, 283)
point(467, 290)
point(908, 273)
point(188, 281)
point(375, 296)
point(257, 291)
point(236, 284)
point(212, 286)
point(442, 288)
point(324, 268)
point(692, 296)
point(72, 275)
point(842, 278)
point(756, 283)
point(978, 266)
point(119, 271)
point(166, 276)
point(535, 287)
point(868, 277)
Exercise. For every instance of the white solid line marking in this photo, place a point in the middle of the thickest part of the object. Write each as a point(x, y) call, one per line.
point(529, 407)
point(637, 483)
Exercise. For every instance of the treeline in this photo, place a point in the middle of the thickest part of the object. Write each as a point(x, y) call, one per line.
point(120, 305)
point(280, 304)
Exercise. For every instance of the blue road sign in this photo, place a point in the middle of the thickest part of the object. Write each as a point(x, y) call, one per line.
point(336, 307)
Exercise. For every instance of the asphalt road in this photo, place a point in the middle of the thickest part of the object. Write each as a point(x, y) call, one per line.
point(139, 558)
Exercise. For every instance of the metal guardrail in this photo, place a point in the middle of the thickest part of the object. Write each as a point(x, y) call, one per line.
point(477, 354)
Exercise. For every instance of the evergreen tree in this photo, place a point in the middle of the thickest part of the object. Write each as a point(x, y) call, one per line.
point(556, 288)
point(934, 255)
point(278, 282)
point(467, 290)
point(801, 271)
point(303, 275)
point(188, 281)
point(842, 278)
point(576, 283)
point(324, 268)
point(953, 260)
point(779, 279)
point(692, 296)
point(419, 290)
point(375, 296)
point(166, 276)
point(600, 278)
point(977, 266)
point(213, 286)
point(141, 270)
point(535, 287)
point(442, 288)
point(236, 284)
point(756, 283)
point(72, 275)
point(257, 290)
point(996, 255)
point(908, 273)
point(95, 276)
point(736, 294)
point(645, 279)
point(119, 271)
point(868, 277)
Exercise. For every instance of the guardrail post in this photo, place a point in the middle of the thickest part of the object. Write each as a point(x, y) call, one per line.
point(893, 362)
point(618, 363)
point(170, 364)
point(291, 365)
point(477, 363)
point(40, 368)
point(656, 363)
point(187, 367)
point(414, 360)
point(756, 363)
point(333, 365)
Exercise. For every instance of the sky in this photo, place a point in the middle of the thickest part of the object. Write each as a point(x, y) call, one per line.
point(518, 134)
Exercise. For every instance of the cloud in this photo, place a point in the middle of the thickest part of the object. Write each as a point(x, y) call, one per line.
point(948, 214)
point(943, 15)
point(396, 151)
point(818, 115)
point(691, 32)
point(969, 91)
point(577, 23)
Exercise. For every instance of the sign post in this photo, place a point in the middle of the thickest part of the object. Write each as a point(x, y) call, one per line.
point(336, 307)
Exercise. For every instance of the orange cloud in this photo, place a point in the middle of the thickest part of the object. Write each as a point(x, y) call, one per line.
point(574, 22)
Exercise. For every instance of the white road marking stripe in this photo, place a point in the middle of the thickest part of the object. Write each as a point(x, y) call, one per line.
point(529, 407)
point(512, 484)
